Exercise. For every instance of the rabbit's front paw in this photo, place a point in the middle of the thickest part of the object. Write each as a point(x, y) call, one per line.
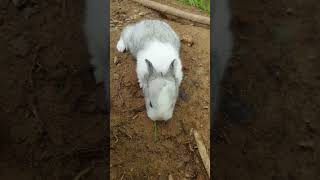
point(121, 47)
point(141, 84)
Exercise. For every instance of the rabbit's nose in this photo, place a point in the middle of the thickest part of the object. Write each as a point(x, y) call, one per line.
point(154, 118)
point(160, 116)
point(167, 117)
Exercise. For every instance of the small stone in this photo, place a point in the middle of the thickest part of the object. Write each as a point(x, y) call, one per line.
point(187, 39)
point(195, 83)
point(127, 84)
point(170, 177)
point(116, 76)
point(116, 60)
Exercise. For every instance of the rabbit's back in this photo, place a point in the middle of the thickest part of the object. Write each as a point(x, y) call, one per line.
point(140, 34)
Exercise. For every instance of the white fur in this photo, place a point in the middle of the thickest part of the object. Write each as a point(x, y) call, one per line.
point(156, 42)
point(160, 55)
point(121, 46)
point(164, 102)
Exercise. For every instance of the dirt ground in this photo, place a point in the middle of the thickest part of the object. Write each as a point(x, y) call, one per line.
point(275, 69)
point(134, 153)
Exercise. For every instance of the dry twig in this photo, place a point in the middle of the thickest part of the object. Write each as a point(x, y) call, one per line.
point(174, 11)
point(202, 151)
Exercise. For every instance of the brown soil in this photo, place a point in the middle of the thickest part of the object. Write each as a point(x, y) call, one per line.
point(276, 69)
point(134, 153)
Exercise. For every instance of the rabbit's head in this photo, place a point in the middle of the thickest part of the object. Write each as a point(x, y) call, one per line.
point(161, 92)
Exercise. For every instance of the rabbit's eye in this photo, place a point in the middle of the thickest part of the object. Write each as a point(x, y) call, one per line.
point(150, 104)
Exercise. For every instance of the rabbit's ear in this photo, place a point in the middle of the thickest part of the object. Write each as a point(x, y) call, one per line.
point(171, 69)
point(151, 69)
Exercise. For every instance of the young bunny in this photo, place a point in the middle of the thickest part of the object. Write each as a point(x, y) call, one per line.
point(156, 47)
point(95, 29)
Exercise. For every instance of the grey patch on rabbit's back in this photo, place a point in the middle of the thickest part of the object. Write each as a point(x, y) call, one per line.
point(146, 31)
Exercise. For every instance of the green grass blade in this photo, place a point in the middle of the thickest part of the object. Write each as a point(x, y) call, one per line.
point(201, 4)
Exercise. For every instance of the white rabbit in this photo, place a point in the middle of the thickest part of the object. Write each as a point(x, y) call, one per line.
point(156, 47)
